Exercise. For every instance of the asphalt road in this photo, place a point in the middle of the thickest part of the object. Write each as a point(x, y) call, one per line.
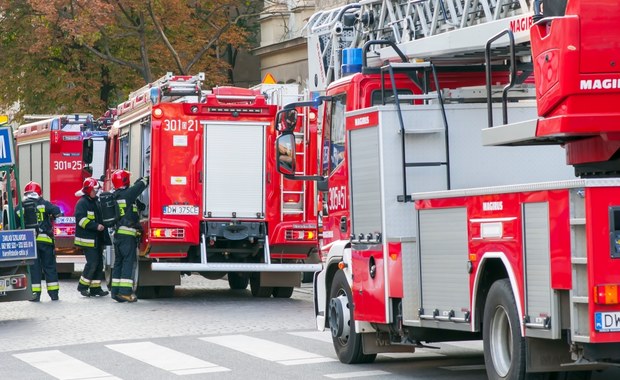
point(207, 331)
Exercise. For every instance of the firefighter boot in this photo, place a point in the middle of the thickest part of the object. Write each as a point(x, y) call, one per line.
point(36, 297)
point(98, 292)
point(53, 295)
point(126, 298)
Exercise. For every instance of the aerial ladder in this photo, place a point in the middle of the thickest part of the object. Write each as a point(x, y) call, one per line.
point(169, 87)
point(444, 31)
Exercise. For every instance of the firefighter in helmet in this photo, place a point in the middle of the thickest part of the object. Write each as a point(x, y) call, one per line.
point(91, 235)
point(38, 213)
point(126, 234)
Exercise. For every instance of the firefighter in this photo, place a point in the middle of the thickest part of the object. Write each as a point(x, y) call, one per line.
point(45, 264)
point(126, 234)
point(91, 235)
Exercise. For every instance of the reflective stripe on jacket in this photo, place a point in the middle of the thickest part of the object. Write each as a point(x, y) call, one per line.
point(87, 217)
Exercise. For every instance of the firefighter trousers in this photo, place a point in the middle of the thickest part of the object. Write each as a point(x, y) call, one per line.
point(45, 267)
point(93, 270)
point(124, 264)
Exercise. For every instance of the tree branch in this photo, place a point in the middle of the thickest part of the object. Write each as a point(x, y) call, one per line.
point(163, 36)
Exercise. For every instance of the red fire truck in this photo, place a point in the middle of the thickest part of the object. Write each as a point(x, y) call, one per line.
point(432, 231)
point(49, 151)
point(216, 204)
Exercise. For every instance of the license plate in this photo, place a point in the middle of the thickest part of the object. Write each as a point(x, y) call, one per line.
point(607, 322)
point(65, 220)
point(180, 210)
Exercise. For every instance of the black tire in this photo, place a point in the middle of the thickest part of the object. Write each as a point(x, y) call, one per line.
point(307, 277)
point(576, 375)
point(283, 292)
point(238, 281)
point(64, 275)
point(257, 290)
point(504, 347)
point(164, 291)
point(348, 347)
point(146, 292)
point(107, 275)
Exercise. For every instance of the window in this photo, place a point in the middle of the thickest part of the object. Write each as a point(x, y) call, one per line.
point(124, 152)
point(146, 163)
point(389, 97)
point(333, 143)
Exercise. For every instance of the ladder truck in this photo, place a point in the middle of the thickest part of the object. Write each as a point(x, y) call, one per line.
point(50, 152)
point(433, 230)
point(216, 204)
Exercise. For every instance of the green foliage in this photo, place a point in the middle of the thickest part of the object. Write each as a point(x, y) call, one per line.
point(63, 56)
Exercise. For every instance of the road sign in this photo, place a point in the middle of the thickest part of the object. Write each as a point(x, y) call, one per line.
point(18, 245)
point(6, 146)
point(269, 79)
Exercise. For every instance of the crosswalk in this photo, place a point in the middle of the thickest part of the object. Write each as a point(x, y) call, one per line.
point(205, 356)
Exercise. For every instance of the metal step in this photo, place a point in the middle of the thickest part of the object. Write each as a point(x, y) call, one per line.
point(579, 299)
point(235, 267)
point(423, 131)
point(579, 260)
point(204, 266)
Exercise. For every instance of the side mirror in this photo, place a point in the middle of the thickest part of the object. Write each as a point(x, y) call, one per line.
point(285, 151)
point(286, 120)
point(87, 171)
point(87, 151)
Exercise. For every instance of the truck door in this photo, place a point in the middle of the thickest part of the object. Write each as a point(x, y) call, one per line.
point(334, 167)
point(145, 170)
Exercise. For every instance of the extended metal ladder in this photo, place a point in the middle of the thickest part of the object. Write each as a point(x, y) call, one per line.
point(428, 76)
point(424, 29)
point(168, 86)
point(293, 201)
point(579, 294)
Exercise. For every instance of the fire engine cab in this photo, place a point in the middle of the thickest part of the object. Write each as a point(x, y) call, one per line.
point(216, 204)
point(450, 212)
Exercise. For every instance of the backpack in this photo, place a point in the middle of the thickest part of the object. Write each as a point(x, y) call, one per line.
point(29, 213)
point(110, 211)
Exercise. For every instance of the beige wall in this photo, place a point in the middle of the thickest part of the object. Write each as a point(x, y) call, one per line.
point(283, 50)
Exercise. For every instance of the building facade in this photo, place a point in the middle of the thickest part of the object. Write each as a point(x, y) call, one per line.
point(283, 50)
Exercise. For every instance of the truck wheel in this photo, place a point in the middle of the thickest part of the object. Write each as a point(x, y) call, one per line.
point(504, 347)
point(307, 277)
point(238, 281)
point(347, 342)
point(283, 292)
point(164, 291)
point(257, 290)
point(576, 375)
point(107, 274)
point(145, 292)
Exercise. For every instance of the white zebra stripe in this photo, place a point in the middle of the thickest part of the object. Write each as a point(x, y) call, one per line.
point(63, 367)
point(165, 358)
point(267, 350)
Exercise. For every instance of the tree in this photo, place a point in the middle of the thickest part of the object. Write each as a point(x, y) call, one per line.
point(91, 53)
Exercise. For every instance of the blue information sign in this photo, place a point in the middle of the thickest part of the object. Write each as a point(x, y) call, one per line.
point(18, 245)
point(6, 147)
